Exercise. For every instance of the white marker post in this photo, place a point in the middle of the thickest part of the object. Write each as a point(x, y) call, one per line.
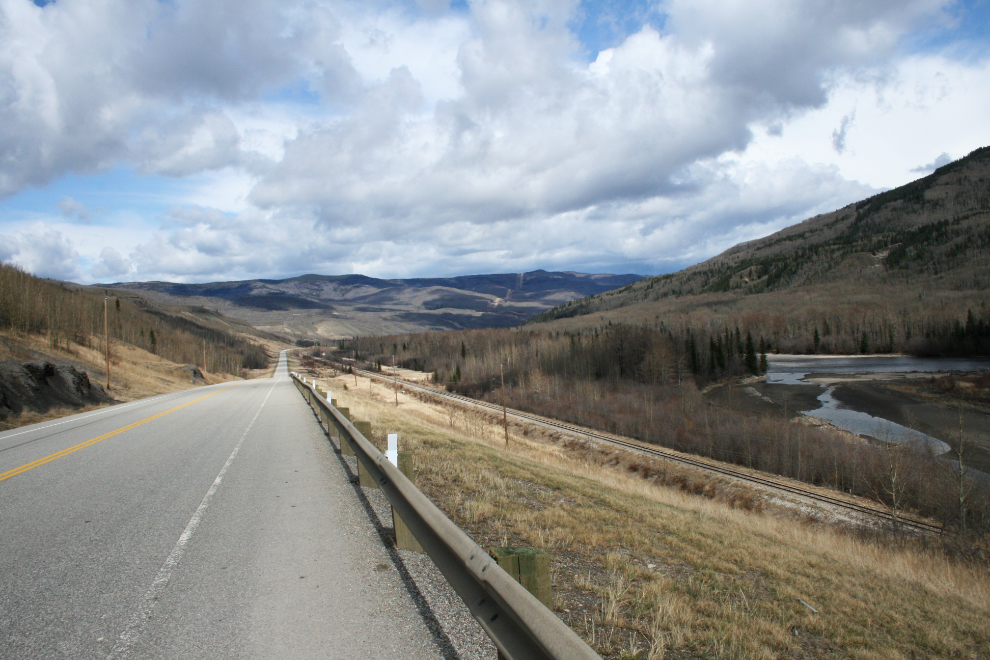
point(393, 449)
point(329, 396)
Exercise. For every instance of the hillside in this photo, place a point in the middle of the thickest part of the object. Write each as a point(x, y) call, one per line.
point(318, 307)
point(909, 252)
point(53, 350)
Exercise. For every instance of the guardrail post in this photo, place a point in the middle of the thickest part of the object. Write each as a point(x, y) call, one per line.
point(530, 567)
point(345, 446)
point(364, 477)
point(404, 539)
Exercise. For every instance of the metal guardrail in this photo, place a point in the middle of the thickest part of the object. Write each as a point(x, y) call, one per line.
point(520, 625)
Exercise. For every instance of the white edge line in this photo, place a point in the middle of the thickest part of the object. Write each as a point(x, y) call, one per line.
point(74, 418)
point(111, 408)
point(136, 624)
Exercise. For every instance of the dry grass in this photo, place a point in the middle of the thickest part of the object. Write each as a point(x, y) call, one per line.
point(134, 372)
point(651, 571)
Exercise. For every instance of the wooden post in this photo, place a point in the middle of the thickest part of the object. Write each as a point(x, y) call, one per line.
point(345, 446)
point(364, 477)
point(530, 567)
point(404, 540)
point(395, 381)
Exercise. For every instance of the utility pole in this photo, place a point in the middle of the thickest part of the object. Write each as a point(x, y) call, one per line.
point(395, 381)
point(505, 419)
point(106, 339)
point(353, 367)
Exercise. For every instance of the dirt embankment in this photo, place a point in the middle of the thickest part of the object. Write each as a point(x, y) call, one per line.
point(39, 386)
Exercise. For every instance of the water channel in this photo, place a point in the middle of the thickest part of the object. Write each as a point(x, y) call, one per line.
point(823, 371)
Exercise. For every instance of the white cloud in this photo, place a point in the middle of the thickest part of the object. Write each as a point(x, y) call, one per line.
point(413, 139)
point(72, 208)
point(111, 265)
point(943, 159)
point(42, 251)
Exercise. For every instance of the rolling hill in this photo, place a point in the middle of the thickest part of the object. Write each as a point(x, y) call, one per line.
point(314, 307)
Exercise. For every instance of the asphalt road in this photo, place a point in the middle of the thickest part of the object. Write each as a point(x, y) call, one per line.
point(211, 523)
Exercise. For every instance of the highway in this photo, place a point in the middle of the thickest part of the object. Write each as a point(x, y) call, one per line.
point(216, 522)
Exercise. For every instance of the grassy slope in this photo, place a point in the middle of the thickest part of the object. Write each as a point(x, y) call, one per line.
point(135, 373)
point(642, 570)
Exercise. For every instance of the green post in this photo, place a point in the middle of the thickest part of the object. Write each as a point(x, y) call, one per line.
point(404, 540)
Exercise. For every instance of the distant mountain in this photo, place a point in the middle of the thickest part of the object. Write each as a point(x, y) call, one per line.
point(911, 249)
point(334, 306)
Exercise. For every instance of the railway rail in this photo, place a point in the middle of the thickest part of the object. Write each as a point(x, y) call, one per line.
point(657, 452)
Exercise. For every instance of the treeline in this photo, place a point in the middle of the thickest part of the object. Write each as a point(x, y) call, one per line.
point(936, 331)
point(655, 356)
point(851, 329)
point(643, 383)
point(33, 305)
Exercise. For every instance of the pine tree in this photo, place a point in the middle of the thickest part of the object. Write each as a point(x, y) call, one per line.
point(751, 362)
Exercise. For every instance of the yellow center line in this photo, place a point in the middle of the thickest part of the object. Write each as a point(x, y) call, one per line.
point(82, 445)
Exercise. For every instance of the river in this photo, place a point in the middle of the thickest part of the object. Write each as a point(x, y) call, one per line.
point(824, 371)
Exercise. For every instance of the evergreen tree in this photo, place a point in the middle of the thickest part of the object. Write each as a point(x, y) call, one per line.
point(817, 340)
point(751, 362)
point(692, 351)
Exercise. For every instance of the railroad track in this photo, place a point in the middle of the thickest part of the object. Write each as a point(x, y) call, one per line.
point(681, 459)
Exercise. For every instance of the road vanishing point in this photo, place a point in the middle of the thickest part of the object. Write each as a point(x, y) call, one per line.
point(217, 522)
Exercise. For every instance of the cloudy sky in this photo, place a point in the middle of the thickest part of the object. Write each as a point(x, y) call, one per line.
point(202, 141)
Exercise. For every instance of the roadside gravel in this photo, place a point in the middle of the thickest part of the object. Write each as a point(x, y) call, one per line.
point(457, 634)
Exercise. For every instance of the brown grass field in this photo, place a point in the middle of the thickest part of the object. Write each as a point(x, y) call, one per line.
point(647, 570)
point(134, 372)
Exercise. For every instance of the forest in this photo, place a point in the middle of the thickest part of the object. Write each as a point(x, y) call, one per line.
point(32, 305)
point(646, 383)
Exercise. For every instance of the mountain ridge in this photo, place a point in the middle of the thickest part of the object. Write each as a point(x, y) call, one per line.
point(317, 307)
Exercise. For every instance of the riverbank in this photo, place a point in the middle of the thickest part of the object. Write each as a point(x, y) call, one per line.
point(935, 403)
